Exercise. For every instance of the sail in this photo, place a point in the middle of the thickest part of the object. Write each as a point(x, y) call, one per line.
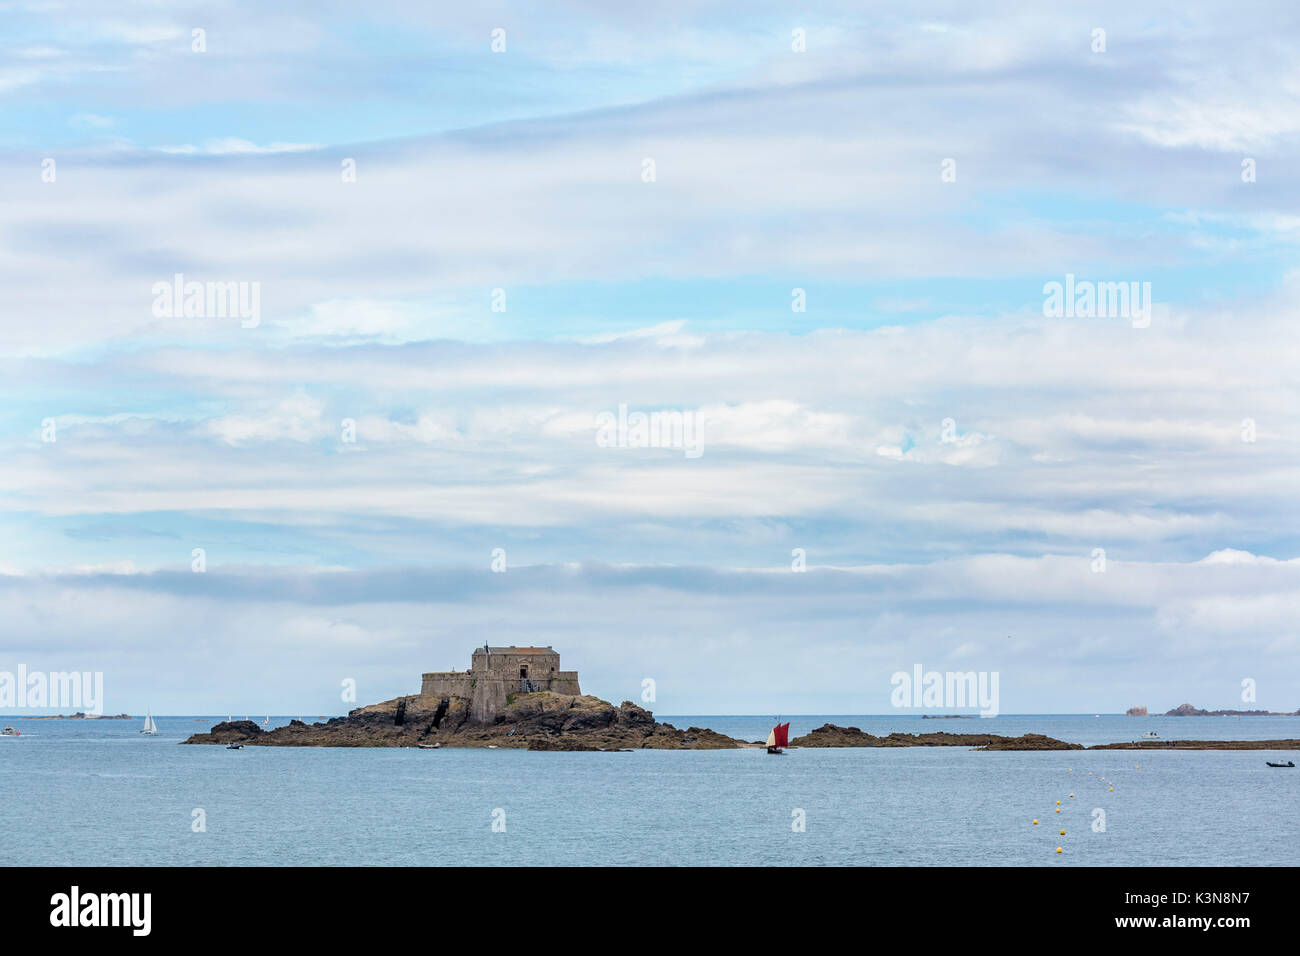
point(782, 734)
point(153, 726)
point(771, 738)
point(147, 721)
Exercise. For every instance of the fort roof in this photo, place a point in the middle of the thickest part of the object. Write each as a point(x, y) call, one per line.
point(517, 650)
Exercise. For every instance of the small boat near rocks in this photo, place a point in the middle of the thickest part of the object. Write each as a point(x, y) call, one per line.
point(778, 738)
point(1289, 763)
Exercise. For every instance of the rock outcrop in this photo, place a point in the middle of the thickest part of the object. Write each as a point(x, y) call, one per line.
point(1290, 744)
point(1031, 742)
point(1138, 711)
point(1187, 710)
point(81, 715)
point(538, 721)
point(558, 722)
point(832, 735)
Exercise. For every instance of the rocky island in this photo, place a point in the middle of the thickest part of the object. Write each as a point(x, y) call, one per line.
point(831, 735)
point(518, 698)
point(539, 720)
point(1287, 744)
point(1187, 710)
point(511, 697)
point(81, 715)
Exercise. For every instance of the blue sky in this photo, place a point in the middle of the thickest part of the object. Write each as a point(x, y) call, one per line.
point(775, 170)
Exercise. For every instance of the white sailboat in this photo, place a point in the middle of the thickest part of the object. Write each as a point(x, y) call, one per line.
point(149, 726)
point(267, 721)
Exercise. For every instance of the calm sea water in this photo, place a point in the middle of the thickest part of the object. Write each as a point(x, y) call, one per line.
point(99, 793)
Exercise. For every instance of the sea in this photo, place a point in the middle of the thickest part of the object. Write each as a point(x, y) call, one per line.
point(99, 793)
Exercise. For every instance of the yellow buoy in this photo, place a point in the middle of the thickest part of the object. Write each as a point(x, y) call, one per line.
point(1058, 809)
point(1062, 833)
point(1112, 789)
point(1035, 823)
point(1058, 803)
point(1058, 849)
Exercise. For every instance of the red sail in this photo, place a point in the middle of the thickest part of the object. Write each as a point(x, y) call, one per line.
point(782, 732)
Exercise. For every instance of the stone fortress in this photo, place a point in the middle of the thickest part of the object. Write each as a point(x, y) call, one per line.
point(498, 673)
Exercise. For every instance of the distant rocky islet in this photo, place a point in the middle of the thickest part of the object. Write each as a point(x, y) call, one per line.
point(1187, 710)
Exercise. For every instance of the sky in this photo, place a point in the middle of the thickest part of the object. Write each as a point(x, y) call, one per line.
point(823, 233)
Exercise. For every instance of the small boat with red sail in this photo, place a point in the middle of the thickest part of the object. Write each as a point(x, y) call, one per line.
point(777, 738)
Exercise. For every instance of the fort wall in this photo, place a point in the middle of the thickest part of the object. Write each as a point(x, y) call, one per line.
point(497, 675)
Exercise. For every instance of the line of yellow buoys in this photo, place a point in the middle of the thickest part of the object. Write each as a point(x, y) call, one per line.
point(1110, 789)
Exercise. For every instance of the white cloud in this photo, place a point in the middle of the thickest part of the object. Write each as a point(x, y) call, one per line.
point(475, 429)
point(1062, 638)
point(233, 145)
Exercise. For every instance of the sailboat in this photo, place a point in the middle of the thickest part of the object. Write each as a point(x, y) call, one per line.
point(778, 737)
point(149, 726)
point(267, 721)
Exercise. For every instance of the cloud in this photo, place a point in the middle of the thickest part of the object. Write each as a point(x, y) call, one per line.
point(755, 177)
point(296, 418)
point(948, 476)
point(91, 121)
point(234, 145)
point(1064, 435)
point(707, 635)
